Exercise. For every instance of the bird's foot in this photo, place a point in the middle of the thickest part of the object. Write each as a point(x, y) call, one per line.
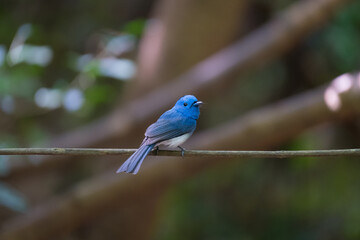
point(156, 150)
point(182, 150)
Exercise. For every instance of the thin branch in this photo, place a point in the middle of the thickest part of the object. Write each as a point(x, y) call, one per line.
point(188, 153)
point(262, 128)
point(266, 43)
point(94, 196)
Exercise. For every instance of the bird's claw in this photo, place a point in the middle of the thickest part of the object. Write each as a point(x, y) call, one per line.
point(182, 151)
point(156, 150)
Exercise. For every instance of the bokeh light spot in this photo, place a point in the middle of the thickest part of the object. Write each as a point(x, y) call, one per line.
point(73, 99)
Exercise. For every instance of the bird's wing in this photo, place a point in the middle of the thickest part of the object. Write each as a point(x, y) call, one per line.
point(169, 127)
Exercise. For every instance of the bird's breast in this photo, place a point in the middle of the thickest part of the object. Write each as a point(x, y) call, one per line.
point(177, 141)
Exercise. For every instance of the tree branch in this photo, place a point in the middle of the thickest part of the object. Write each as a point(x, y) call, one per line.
point(93, 196)
point(178, 28)
point(187, 153)
point(267, 42)
point(264, 44)
point(268, 126)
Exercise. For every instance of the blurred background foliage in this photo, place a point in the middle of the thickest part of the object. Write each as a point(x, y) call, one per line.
point(64, 64)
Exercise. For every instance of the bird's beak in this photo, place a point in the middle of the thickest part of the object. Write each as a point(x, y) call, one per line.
point(198, 103)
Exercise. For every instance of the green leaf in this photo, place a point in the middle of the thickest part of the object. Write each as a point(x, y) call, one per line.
point(135, 27)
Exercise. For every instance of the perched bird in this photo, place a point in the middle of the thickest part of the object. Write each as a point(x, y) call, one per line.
point(172, 128)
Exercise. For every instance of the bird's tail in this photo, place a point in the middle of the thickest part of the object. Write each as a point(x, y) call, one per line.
point(133, 163)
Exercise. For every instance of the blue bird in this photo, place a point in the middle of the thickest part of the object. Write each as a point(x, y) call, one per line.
point(172, 128)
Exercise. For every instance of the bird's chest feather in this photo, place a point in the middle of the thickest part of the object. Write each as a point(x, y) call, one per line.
point(177, 141)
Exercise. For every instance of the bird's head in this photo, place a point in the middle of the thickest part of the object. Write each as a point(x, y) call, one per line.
point(189, 106)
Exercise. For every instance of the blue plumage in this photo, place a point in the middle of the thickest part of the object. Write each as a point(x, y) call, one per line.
point(172, 129)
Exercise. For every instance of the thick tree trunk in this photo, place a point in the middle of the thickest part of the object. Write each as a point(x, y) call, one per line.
point(182, 34)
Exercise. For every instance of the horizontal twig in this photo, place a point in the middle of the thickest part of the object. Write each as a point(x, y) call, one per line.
point(187, 153)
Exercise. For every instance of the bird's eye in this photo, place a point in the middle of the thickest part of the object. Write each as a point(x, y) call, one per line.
point(185, 104)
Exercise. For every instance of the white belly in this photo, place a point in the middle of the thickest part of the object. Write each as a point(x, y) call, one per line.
point(175, 142)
